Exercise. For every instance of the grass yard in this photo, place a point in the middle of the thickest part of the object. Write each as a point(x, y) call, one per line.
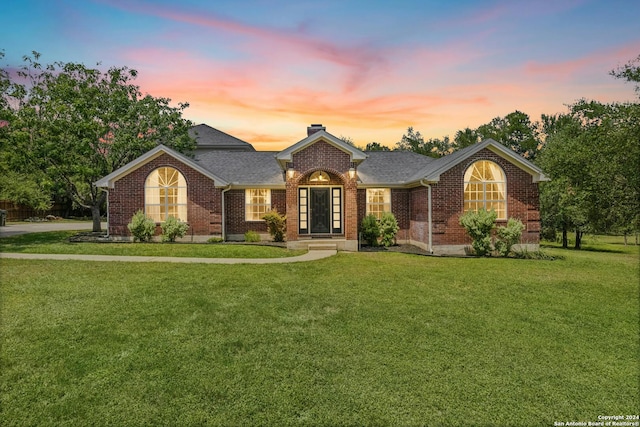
point(57, 243)
point(358, 339)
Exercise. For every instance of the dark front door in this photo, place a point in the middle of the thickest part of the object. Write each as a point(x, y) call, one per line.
point(320, 210)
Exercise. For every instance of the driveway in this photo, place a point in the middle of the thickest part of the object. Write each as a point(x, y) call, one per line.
point(15, 228)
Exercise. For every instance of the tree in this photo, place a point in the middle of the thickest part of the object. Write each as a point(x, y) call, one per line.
point(414, 141)
point(630, 72)
point(466, 137)
point(515, 131)
point(29, 189)
point(376, 146)
point(77, 124)
point(593, 158)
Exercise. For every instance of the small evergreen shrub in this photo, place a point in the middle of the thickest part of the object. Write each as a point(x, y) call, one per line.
point(142, 227)
point(479, 225)
point(388, 229)
point(251, 236)
point(276, 224)
point(370, 230)
point(508, 236)
point(173, 228)
point(215, 240)
point(537, 255)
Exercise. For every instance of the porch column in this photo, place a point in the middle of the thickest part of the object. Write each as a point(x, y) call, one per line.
point(292, 210)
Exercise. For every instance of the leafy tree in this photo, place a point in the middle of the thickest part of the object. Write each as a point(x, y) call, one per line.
point(77, 124)
point(593, 159)
point(630, 72)
point(31, 188)
point(376, 146)
point(466, 137)
point(414, 141)
point(515, 130)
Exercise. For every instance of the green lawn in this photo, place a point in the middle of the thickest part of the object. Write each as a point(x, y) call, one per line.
point(57, 243)
point(358, 339)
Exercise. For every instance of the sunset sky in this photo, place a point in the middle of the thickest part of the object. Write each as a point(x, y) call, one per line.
point(264, 70)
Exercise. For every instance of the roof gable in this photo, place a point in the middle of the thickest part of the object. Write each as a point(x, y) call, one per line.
point(433, 171)
point(391, 168)
point(211, 138)
point(109, 180)
point(286, 155)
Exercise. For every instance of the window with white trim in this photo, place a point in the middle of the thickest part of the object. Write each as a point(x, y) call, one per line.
point(485, 186)
point(257, 203)
point(165, 195)
point(378, 201)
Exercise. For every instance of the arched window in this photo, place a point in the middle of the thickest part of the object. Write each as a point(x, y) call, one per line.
point(165, 195)
point(485, 186)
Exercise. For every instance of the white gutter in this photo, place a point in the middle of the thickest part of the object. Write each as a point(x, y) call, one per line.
point(224, 228)
point(429, 215)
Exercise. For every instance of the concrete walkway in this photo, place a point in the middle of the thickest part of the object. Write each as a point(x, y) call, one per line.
point(309, 256)
point(37, 227)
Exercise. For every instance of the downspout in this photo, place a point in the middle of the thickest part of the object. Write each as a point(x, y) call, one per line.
point(224, 228)
point(429, 214)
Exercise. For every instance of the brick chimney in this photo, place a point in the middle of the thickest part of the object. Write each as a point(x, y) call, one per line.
point(315, 128)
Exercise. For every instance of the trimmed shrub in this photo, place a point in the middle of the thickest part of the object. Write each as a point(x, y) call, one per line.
point(251, 236)
point(173, 228)
point(142, 227)
point(508, 236)
point(276, 224)
point(388, 229)
point(370, 230)
point(215, 240)
point(479, 225)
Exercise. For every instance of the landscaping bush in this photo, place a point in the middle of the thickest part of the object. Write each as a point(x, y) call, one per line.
point(215, 240)
point(173, 228)
point(370, 230)
point(142, 227)
point(479, 225)
point(509, 236)
point(388, 229)
point(251, 236)
point(276, 224)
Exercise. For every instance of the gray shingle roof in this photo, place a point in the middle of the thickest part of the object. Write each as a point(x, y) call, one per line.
point(242, 167)
point(391, 167)
point(208, 137)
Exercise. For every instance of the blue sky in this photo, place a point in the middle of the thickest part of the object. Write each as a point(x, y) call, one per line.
point(264, 70)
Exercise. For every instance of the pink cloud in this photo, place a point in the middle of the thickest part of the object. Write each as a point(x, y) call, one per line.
point(357, 60)
point(601, 61)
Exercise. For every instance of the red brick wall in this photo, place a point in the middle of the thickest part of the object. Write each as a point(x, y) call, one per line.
point(322, 156)
point(447, 202)
point(235, 211)
point(204, 200)
point(400, 207)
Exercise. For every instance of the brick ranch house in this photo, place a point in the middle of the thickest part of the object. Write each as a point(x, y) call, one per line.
point(325, 187)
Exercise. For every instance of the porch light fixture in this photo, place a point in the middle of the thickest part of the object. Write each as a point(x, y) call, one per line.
point(290, 172)
point(352, 173)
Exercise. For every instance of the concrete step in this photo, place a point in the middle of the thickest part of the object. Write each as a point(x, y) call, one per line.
point(323, 247)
